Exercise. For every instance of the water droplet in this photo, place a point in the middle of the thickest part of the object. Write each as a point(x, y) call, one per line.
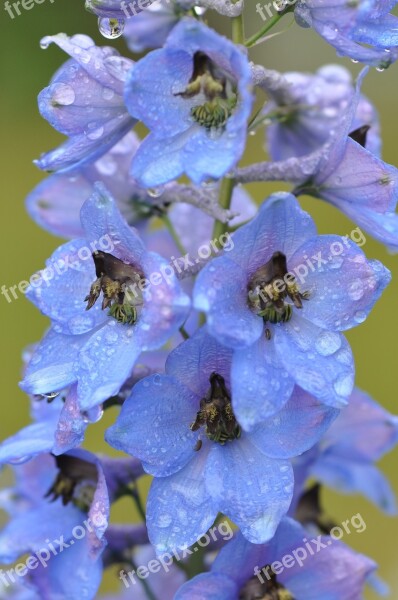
point(62, 94)
point(328, 343)
point(107, 93)
point(155, 192)
point(354, 61)
point(96, 134)
point(380, 69)
point(110, 28)
point(20, 460)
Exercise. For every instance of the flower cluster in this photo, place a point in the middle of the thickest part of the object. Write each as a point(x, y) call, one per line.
point(214, 323)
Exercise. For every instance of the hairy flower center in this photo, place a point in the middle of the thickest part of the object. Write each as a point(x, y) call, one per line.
point(216, 90)
point(216, 414)
point(118, 283)
point(270, 290)
point(264, 587)
point(75, 482)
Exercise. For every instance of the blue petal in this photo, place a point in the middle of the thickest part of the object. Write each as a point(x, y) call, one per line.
point(64, 284)
point(212, 586)
point(381, 226)
point(320, 361)
point(260, 384)
point(221, 292)
point(297, 427)
point(52, 365)
point(150, 28)
point(179, 507)
point(280, 224)
point(343, 285)
point(71, 426)
point(57, 581)
point(164, 443)
point(352, 477)
point(102, 220)
point(254, 491)
point(29, 441)
point(192, 362)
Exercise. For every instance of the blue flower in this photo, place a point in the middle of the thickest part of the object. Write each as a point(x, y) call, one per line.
point(49, 509)
point(344, 460)
point(93, 78)
point(194, 95)
point(55, 203)
point(183, 428)
point(364, 31)
point(334, 572)
point(280, 298)
point(316, 103)
point(98, 348)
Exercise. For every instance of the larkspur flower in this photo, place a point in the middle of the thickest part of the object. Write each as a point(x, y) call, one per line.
point(345, 458)
point(363, 30)
point(93, 74)
point(195, 103)
point(182, 427)
point(98, 349)
point(243, 571)
point(37, 520)
point(281, 298)
point(316, 103)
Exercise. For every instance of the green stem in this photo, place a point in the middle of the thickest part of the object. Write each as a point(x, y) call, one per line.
point(257, 36)
point(226, 191)
point(174, 234)
point(238, 31)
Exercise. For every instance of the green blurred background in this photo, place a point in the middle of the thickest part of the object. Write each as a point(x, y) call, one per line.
point(25, 70)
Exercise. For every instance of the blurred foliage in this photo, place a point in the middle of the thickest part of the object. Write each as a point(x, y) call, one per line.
point(25, 70)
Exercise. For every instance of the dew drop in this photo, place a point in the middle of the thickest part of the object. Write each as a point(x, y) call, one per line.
point(62, 94)
point(110, 28)
point(155, 192)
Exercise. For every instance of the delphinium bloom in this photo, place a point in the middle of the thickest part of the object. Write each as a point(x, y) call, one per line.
point(98, 347)
point(364, 31)
point(188, 437)
point(281, 298)
point(85, 102)
point(194, 95)
point(59, 516)
point(345, 458)
point(302, 122)
point(330, 571)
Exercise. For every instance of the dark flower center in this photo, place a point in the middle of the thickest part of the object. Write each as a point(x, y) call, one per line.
point(273, 292)
point(215, 89)
point(75, 482)
point(118, 282)
point(264, 587)
point(216, 414)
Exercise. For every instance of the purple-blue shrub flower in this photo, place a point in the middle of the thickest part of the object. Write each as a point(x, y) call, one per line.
point(55, 203)
point(364, 31)
point(98, 348)
point(194, 95)
point(182, 427)
point(344, 459)
point(281, 298)
point(51, 514)
point(330, 571)
point(85, 102)
point(316, 104)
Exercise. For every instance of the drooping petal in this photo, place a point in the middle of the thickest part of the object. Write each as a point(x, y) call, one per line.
point(51, 367)
point(342, 283)
point(30, 441)
point(260, 383)
point(154, 425)
point(150, 28)
point(249, 488)
point(179, 507)
point(320, 361)
point(296, 428)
